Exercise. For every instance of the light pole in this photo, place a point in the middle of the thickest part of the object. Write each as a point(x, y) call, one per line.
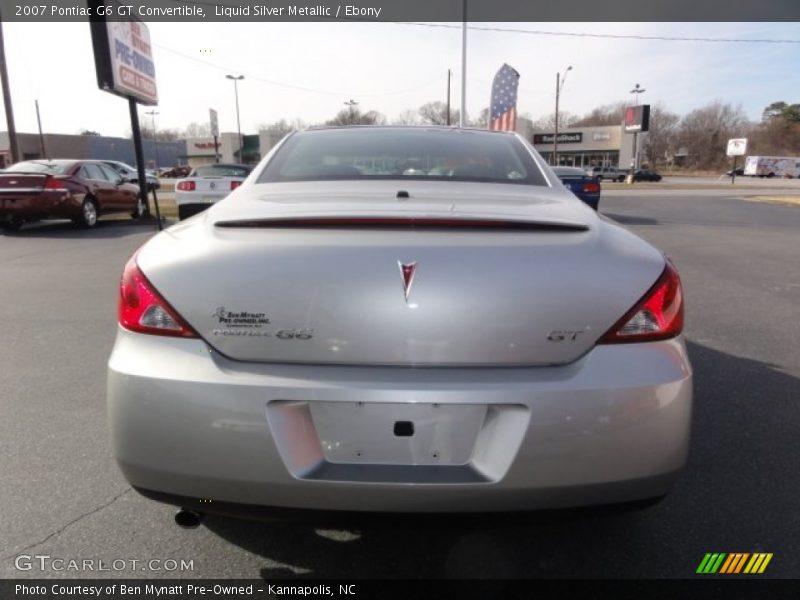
point(351, 104)
point(236, 81)
point(153, 114)
point(559, 85)
point(635, 160)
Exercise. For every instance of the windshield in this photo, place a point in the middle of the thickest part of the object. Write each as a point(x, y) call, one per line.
point(53, 168)
point(394, 153)
point(221, 171)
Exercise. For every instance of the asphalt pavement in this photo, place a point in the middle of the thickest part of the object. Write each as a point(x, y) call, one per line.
point(63, 497)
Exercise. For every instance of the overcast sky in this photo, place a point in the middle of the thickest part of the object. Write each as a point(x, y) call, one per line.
point(307, 70)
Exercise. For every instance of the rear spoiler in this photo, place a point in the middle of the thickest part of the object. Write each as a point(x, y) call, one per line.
point(417, 223)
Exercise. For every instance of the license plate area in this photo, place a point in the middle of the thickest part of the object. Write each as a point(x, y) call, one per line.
point(397, 433)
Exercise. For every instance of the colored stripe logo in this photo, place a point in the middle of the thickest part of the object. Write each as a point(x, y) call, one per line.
point(734, 563)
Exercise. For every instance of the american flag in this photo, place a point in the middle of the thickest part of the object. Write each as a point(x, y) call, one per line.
point(504, 100)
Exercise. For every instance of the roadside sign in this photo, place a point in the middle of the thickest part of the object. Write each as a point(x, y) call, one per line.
point(214, 123)
point(737, 147)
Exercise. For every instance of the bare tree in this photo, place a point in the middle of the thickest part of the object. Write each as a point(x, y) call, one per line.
point(407, 117)
point(661, 138)
point(278, 129)
point(196, 130)
point(435, 113)
point(547, 123)
point(354, 116)
point(162, 135)
point(705, 132)
point(608, 114)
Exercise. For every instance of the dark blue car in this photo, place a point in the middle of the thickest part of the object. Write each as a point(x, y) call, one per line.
point(584, 186)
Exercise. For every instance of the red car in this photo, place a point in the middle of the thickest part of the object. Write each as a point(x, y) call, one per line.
point(80, 190)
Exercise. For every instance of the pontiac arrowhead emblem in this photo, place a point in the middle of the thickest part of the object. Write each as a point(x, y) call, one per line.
point(407, 272)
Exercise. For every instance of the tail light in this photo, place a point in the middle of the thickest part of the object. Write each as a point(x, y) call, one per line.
point(591, 187)
point(53, 184)
point(235, 184)
point(186, 186)
point(142, 309)
point(657, 316)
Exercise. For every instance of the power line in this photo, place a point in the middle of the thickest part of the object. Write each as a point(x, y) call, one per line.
point(620, 36)
point(297, 87)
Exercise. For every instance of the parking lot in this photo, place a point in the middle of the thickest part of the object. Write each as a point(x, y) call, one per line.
point(64, 497)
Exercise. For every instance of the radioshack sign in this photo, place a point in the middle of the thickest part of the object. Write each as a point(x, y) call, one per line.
point(563, 138)
point(124, 60)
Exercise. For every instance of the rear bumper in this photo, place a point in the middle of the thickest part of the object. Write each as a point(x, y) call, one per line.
point(40, 206)
point(188, 423)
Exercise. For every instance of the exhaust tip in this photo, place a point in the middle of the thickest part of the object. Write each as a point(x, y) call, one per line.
point(188, 519)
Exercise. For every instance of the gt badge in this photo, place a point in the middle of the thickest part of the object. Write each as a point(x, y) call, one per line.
point(407, 273)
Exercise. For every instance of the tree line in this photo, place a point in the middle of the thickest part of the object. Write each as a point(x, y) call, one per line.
point(696, 140)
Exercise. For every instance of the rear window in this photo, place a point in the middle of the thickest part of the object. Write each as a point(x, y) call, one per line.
point(221, 171)
point(53, 168)
point(378, 153)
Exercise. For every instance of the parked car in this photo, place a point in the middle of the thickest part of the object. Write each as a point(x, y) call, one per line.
point(646, 175)
point(739, 172)
point(206, 185)
point(80, 190)
point(610, 173)
point(579, 183)
point(176, 172)
point(344, 333)
point(131, 174)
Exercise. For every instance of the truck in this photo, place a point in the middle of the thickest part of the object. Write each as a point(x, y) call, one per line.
point(607, 172)
point(772, 166)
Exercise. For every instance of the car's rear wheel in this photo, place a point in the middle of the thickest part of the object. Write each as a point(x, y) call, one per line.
point(138, 212)
point(183, 213)
point(88, 215)
point(599, 178)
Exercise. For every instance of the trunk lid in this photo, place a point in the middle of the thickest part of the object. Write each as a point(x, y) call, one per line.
point(310, 276)
point(22, 183)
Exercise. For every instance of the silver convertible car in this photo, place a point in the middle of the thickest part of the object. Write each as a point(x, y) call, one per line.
point(400, 319)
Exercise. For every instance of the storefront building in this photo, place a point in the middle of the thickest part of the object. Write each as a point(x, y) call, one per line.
point(587, 146)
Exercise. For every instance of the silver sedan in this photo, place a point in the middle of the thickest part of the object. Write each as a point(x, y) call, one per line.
point(399, 319)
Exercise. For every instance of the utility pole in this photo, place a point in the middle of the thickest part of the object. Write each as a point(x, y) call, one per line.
point(559, 85)
point(153, 114)
point(448, 96)
point(41, 135)
point(236, 80)
point(463, 114)
point(12, 130)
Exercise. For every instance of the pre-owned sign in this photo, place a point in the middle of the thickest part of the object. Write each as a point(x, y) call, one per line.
point(124, 60)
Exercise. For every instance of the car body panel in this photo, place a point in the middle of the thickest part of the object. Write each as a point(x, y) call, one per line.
point(613, 426)
point(208, 188)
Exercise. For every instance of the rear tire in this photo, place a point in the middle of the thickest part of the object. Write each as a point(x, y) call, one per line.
point(183, 213)
point(88, 216)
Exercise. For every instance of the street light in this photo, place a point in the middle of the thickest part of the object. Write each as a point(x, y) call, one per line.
point(635, 160)
point(559, 85)
point(153, 114)
point(236, 80)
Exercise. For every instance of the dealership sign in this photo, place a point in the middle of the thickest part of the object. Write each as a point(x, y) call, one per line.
point(737, 147)
point(563, 138)
point(124, 60)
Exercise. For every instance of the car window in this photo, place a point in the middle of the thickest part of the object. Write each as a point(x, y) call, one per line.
point(110, 173)
point(31, 166)
point(414, 153)
point(220, 171)
point(93, 172)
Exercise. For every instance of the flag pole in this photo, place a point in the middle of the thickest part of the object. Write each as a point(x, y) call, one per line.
point(462, 116)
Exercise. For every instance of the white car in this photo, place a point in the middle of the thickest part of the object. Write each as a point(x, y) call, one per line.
point(206, 185)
